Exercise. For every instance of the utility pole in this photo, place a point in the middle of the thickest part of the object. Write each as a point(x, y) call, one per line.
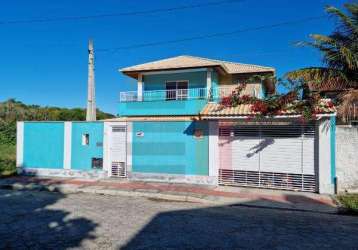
point(91, 100)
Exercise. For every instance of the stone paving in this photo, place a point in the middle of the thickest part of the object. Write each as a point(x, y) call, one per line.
point(52, 220)
point(178, 192)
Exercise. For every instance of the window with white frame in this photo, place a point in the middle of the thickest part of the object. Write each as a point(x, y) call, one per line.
point(177, 90)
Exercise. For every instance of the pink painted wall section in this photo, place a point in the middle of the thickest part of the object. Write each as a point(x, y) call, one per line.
point(225, 152)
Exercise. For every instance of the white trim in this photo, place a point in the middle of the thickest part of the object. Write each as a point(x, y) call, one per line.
point(245, 117)
point(69, 173)
point(19, 144)
point(106, 147)
point(176, 89)
point(174, 178)
point(67, 146)
point(209, 81)
point(140, 87)
point(107, 144)
point(129, 146)
point(161, 72)
point(213, 148)
point(324, 157)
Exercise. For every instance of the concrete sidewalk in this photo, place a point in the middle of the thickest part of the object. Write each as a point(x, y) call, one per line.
point(234, 196)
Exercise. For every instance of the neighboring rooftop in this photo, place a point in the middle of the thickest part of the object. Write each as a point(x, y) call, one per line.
point(187, 62)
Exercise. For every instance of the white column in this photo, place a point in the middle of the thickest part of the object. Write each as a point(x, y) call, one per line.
point(67, 145)
point(140, 87)
point(213, 149)
point(19, 144)
point(129, 146)
point(106, 147)
point(209, 81)
point(324, 157)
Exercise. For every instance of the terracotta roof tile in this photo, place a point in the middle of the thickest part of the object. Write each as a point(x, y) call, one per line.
point(217, 110)
point(181, 62)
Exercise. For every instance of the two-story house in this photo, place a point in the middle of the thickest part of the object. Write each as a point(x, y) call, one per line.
point(173, 129)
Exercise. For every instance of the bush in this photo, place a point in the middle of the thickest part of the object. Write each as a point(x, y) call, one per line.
point(350, 203)
point(7, 159)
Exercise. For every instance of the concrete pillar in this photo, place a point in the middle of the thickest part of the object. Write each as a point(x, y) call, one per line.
point(209, 82)
point(19, 144)
point(67, 149)
point(324, 154)
point(140, 87)
point(214, 150)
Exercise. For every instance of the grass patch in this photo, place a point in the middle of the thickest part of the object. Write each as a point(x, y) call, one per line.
point(7, 159)
point(350, 203)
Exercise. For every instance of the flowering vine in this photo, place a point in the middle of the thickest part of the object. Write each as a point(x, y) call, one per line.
point(277, 104)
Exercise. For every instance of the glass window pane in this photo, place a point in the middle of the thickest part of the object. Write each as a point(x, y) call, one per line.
point(170, 93)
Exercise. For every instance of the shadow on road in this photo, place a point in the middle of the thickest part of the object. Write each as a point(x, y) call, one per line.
point(34, 225)
point(247, 225)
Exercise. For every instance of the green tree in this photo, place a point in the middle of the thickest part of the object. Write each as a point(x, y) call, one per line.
point(339, 51)
point(340, 57)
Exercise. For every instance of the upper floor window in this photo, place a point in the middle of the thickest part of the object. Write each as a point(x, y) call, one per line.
point(177, 90)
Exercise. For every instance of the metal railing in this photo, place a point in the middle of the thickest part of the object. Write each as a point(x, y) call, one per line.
point(164, 95)
point(178, 94)
point(221, 92)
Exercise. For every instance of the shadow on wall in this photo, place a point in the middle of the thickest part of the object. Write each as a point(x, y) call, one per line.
point(265, 142)
point(248, 225)
point(37, 225)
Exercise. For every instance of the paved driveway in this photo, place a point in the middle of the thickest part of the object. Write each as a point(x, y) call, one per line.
point(41, 220)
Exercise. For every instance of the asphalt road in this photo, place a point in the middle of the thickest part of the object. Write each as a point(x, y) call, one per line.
point(41, 220)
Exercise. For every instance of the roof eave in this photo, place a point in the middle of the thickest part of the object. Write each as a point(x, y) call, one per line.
point(134, 73)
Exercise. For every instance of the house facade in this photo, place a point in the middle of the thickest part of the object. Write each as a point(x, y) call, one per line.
point(172, 128)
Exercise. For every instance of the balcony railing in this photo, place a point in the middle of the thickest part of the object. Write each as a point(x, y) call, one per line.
point(162, 95)
point(217, 93)
point(176, 94)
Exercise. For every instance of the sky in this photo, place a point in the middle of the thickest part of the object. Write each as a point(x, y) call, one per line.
point(45, 63)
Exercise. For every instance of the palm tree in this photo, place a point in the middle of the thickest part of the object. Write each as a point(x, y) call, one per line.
point(340, 59)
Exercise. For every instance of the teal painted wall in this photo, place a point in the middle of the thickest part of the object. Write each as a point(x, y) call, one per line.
point(214, 85)
point(43, 144)
point(81, 155)
point(170, 148)
point(156, 105)
point(188, 107)
point(333, 148)
point(214, 79)
point(157, 82)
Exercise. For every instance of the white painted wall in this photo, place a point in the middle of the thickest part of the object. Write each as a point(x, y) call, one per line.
point(347, 158)
point(107, 145)
point(214, 149)
point(209, 81)
point(19, 144)
point(67, 145)
point(129, 146)
point(140, 87)
point(325, 184)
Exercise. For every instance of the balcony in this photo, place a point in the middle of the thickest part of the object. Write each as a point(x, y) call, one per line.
point(164, 95)
point(168, 102)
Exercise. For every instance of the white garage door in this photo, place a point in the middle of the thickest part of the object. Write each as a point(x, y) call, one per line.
point(271, 156)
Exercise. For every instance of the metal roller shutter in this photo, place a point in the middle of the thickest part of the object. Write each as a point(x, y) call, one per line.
point(270, 156)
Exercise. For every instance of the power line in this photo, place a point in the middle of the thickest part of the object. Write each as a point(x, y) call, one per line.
point(213, 35)
point(130, 13)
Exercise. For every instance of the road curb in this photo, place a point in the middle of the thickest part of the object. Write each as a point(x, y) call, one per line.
point(155, 194)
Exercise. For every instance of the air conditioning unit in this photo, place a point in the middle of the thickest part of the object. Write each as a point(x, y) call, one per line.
point(118, 169)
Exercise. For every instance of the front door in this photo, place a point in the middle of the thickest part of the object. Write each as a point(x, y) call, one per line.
point(118, 151)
